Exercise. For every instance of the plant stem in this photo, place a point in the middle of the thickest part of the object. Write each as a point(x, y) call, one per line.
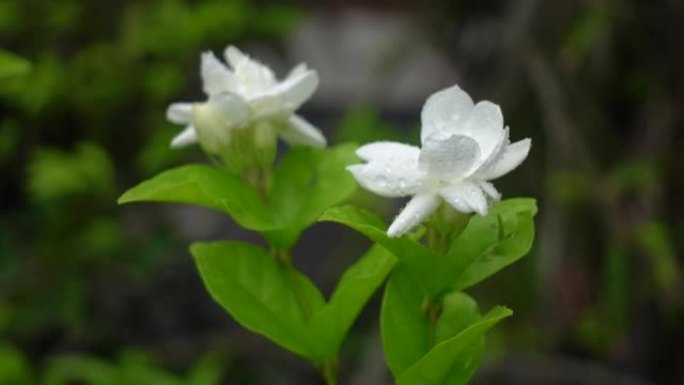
point(260, 179)
point(432, 309)
point(286, 259)
point(329, 371)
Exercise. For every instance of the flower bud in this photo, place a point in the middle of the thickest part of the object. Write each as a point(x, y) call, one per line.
point(213, 134)
point(251, 148)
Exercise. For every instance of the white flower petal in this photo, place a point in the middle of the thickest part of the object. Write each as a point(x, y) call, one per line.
point(179, 113)
point(490, 190)
point(231, 108)
point(215, 119)
point(234, 56)
point(389, 179)
point(300, 131)
point(484, 163)
point(216, 77)
point(466, 198)
point(485, 125)
point(416, 211)
point(186, 137)
point(298, 70)
point(285, 97)
point(511, 157)
point(448, 155)
point(444, 110)
point(252, 76)
point(387, 151)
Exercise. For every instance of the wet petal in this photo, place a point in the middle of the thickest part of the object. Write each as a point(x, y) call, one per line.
point(179, 113)
point(466, 198)
point(444, 110)
point(484, 163)
point(216, 77)
point(490, 190)
point(389, 179)
point(184, 138)
point(417, 210)
point(511, 157)
point(300, 131)
point(298, 89)
point(448, 155)
point(388, 151)
point(285, 97)
point(485, 125)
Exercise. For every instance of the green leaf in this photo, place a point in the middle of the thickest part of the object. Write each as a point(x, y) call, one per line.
point(404, 324)
point(306, 182)
point(459, 311)
point(428, 268)
point(488, 244)
point(12, 65)
point(209, 187)
point(353, 291)
point(262, 294)
point(266, 296)
point(453, 361)
point(474, 243)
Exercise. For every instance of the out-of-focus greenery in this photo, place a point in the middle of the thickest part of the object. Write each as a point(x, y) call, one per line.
point(131, 368)
point(12, 65)
point(598, 87)
point(94, 79)
point(85, 88)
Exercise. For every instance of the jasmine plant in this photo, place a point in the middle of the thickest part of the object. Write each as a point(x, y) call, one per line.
point(453, 233)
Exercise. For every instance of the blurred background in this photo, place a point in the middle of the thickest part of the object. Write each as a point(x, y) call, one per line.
point(95, 294)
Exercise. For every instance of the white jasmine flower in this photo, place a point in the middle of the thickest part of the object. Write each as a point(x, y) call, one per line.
point(239, 97)
point(463, 147)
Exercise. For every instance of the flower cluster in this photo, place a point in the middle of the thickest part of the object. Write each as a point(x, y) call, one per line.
point(246, 97)
point(464, 145)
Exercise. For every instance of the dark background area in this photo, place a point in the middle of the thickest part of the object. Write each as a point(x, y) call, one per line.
point(111, 292)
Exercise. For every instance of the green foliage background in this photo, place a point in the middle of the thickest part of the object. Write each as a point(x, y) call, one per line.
point(81, 116)
point(113, 294)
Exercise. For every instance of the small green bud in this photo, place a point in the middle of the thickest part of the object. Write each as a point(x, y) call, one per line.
point(445, 225)
point(214, 135)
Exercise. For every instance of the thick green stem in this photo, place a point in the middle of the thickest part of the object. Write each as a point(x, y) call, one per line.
point(260, 179)
point(432, 308)
point(286, 259)
point(436, 241)
point(329, 371)
point(445, 225)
